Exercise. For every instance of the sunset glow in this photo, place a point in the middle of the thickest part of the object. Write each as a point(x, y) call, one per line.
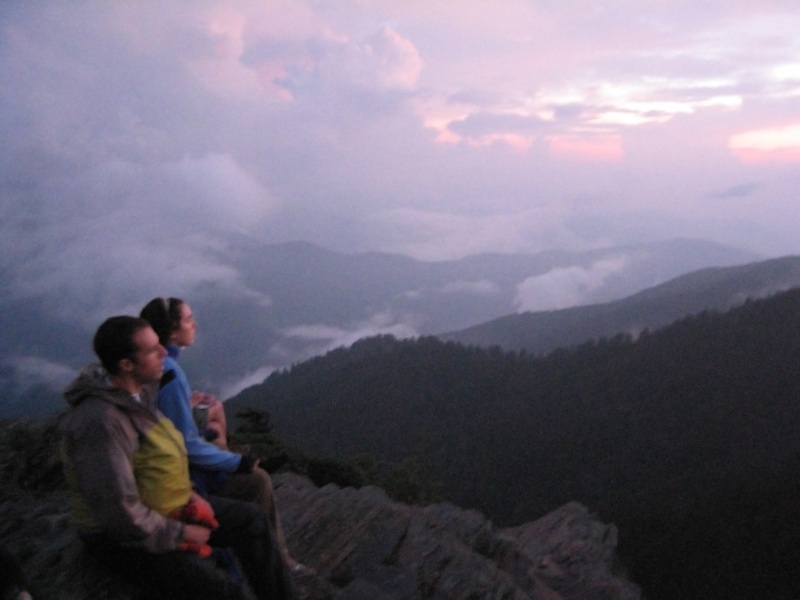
point(781, 145)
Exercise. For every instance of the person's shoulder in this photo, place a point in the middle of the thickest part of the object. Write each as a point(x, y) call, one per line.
point(172, 372)
point(107, 404)
point(93, 415)
point(170, 363)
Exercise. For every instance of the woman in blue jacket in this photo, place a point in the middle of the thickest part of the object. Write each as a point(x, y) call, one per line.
point(213, 470)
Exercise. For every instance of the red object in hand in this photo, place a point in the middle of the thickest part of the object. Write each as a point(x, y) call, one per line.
point(204, 550)
point(196, 513)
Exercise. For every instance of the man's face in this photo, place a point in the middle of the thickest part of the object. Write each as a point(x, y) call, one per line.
point(148, 360)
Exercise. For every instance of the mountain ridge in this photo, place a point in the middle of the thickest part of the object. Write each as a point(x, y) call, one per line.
point(713, 288)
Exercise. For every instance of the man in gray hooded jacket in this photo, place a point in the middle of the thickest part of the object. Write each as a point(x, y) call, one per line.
point(127, 470)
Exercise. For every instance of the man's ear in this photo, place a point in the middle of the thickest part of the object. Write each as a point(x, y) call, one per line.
point(126, 365)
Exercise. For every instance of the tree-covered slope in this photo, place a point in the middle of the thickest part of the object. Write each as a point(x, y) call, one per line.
point(645, 432)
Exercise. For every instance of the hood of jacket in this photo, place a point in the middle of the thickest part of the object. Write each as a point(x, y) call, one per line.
point(92, 382)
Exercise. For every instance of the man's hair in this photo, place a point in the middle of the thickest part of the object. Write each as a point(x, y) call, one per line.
point(164, 316)
point(113, 341)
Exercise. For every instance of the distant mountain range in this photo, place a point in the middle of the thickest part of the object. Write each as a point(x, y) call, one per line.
point(297, 300)
point(707, 289)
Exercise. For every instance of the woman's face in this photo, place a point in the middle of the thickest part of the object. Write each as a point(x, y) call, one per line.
point(184, 335)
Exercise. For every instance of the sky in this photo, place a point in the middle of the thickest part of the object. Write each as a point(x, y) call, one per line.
point(140, 138)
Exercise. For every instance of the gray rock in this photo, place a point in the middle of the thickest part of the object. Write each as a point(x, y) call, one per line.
point(372, 547)
point(362, 545)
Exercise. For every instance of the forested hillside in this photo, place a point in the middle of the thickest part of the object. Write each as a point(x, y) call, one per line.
point(688, 437)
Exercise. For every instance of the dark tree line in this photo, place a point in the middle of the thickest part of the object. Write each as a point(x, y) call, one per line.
point(687, 437)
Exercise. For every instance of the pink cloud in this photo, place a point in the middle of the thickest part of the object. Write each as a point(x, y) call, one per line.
point(781, 144)
point(606, 148)
point(384, 61)
point(520, 143)
point(269, 74)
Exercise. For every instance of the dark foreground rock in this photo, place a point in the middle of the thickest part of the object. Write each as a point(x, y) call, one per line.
point(363, 547)
point(371, 547)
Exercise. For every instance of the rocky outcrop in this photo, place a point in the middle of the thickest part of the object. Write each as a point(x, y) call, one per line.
point(362, 545)
point(369, 547)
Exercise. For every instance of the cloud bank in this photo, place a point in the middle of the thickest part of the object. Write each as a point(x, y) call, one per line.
point(142, 140)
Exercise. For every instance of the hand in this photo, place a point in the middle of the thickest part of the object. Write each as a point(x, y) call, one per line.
point(195, 497)
point(203, 397)
point(209, 434)
point(196, 534)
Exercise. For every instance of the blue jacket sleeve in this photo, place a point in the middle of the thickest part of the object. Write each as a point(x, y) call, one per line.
point(174, 400)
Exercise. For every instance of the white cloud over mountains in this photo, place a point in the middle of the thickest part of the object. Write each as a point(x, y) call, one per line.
point(565, 287)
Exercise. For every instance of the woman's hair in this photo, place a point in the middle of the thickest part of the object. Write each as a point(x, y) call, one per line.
point(113, 341)
point(164, 316)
